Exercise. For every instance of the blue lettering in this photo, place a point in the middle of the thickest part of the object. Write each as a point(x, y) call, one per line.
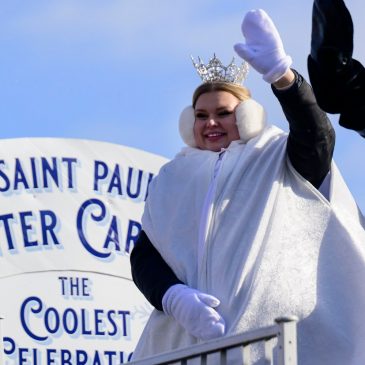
point(97, 218)
point(49, 170)
point(81, 357)
point(5, 220)
point(96, 360)
point(100, 173)
point(26, 227)
point(4, 177)
point(63, 288)
point(124, 315)
point(111, 315)
point(150, 177)
point(70, 174)
point(37, 172)
point(23, 356)
point(134, 228)
point(138, 183)
point(84, 322)
point(27, 356)
point(9, 342)
point(70, 323)
point(110, 355)
point(74, 286)
point(98, 322)
point(48, 227)
point(115, 181)
point(85, 287)
point(51, 316)
point(66, 357)
point(50, 356)
point(19, 176)
point(35, 355)
point(37, 308)
point(34, 172)
point(113, 235)
point(135, 186)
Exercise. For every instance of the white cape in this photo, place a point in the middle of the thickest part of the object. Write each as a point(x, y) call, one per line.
point(276, 247)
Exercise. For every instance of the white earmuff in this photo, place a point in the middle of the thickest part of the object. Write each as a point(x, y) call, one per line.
point(250, 119)
point(186, 126)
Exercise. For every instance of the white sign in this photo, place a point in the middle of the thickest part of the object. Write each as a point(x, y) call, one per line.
point(70, 214)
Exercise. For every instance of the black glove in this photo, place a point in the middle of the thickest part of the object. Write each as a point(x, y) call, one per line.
point(338, 80)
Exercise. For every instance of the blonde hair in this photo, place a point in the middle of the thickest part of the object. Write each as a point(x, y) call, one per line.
point(240, 92)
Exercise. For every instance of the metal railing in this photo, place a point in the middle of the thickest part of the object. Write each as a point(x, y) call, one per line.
point(282, 335)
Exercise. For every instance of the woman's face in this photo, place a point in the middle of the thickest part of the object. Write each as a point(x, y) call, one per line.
point(215, 121)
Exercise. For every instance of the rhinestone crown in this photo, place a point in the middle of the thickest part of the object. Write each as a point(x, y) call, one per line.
point(215, 71)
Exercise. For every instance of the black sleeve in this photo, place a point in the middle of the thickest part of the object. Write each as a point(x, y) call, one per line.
point(338, 80)
point(311, 137)
point(150, 272)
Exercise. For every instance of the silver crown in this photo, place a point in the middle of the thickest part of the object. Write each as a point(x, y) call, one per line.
point(215, 71)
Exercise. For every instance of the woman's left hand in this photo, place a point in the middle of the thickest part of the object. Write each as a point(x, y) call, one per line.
point(263, 49)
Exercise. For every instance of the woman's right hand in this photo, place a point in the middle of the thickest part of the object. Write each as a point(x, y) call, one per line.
point(194, 311)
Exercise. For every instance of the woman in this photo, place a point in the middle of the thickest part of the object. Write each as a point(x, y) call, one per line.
point(231, 225)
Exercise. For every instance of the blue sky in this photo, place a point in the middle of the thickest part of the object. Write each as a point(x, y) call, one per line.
point(120, 70)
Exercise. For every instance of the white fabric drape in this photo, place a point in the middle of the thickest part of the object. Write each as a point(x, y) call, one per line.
point(275, 246)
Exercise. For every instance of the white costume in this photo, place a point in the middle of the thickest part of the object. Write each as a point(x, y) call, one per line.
point(274, 246)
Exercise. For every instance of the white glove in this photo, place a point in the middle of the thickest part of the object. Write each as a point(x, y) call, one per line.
point(263, 49)
point(194, 311)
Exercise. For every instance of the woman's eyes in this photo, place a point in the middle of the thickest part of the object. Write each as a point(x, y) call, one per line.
point(225, 112)
point(221, 113)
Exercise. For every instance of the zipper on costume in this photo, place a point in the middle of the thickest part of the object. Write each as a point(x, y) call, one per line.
point(207, 216)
